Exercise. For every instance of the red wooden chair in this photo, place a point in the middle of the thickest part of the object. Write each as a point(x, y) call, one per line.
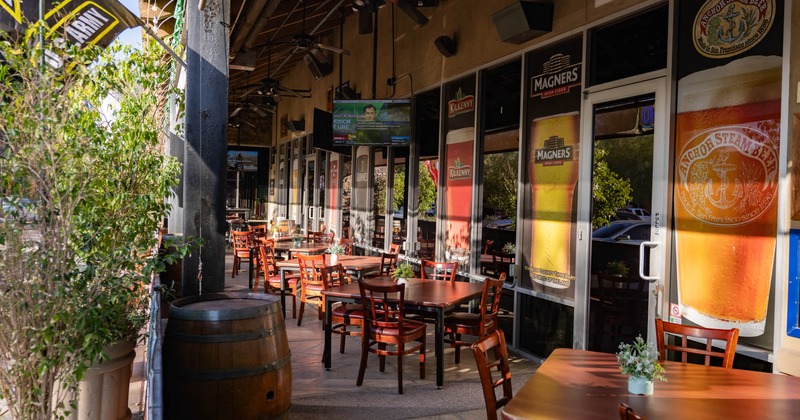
point(345, 315)
point(312, 282)
point(438, 270)
point(385, 325)
point(731, 337)
point(627, 413)
point(478, 324)
point(496, 342)
point(241, 249)
point(272, 274)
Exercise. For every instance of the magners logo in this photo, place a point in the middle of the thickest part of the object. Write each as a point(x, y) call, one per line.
point(725, 28)
point(458, 171)
point(728, 174)
point(554, 153)
point(460, 104)
point(558, 76)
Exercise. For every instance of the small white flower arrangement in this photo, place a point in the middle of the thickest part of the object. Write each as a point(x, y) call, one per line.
point(335, 249)
point(640, 360)
point(509, 248)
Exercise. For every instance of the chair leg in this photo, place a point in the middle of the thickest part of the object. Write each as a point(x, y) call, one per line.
point(457, 343)
point(422, 358)
point(302, 308)
point(233, 270)
point(341, 343)
point(382, 357)
point(363, 365)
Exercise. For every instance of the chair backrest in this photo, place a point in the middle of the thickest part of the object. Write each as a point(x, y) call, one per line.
point(312, 236)
point(311, 267)
point(684, 332)
point(336, 275)
point(394, 248)
point(259, 230)
point(347, 243)
point(266, 253)
point(241, 240)
point(496, 342)
point(627, 413)
point(490, 302)
point(388, 264)
point(383, 304)
point(438, 270)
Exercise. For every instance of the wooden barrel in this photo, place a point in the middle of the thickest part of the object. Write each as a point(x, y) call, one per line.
point(226, 356)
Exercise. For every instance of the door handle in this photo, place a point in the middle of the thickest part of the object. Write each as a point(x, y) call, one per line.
point(642, 246)
point(311, 212)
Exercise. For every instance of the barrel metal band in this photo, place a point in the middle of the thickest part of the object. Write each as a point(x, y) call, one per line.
point(227, 374)
point(224, 338)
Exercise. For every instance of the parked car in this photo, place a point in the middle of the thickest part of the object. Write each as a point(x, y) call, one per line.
point(633, 213)
point(505, 224)
point(623, 231)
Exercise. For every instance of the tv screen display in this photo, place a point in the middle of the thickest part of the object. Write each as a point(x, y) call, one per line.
point(384, 122)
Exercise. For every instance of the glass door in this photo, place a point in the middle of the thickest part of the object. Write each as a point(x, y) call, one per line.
point(309, 194)
point(626, 160)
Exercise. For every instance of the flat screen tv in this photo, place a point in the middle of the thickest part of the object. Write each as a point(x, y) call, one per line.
point(372, 122)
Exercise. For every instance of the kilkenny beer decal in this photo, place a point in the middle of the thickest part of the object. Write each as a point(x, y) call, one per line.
point(727, 143)
point(333, 204)
point(554, 173)
point(458, 165)
point(725, 28)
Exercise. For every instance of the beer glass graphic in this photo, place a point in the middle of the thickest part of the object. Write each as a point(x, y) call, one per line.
point(726, 182)
point(553, 173)
point(459, 158)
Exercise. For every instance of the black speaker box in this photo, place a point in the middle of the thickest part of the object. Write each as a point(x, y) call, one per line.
point(318, 68)
point(524, 20)
point(296, 125)
point(445, 45)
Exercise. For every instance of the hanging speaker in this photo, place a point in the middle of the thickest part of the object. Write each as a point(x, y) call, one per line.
point(318, 68)
point(524, 20)
point(445, 45)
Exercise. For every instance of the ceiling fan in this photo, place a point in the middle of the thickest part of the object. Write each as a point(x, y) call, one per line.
point(366, 8)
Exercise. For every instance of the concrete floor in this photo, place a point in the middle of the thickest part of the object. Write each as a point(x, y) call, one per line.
point(319, 393)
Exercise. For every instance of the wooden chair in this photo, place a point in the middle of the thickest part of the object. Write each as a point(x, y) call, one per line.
point(627, 413)
point(438, 270)
point(495, 341)
point(394, 249)
point(478, 324)
point(388, 264)
point(272, 275)
point(684, 331)
point(347, 243)
point(312, 237)
point(385, 325)
point(259, 231)
point(345, 315)
point(312, 281)
point(241, 249)
point(619, 302)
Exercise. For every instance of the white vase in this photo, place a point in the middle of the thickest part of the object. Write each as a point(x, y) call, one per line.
point(334, 259)
point(640, 386)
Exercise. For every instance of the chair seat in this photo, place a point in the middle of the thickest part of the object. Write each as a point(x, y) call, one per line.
point(351, 310)
point(462, 319)
point(242, 254)
point(410, 328)
point(275, 281)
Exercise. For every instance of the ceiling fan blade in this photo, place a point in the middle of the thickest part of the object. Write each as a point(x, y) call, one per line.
point(235, 112)
point(334, 49)
point(364, 21)
point(319, 55)
point(412, 12)
point(258, 111)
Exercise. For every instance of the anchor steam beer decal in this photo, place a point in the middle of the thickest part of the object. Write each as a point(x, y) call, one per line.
point(459, 157)
point(728, 174)
point(725, 28)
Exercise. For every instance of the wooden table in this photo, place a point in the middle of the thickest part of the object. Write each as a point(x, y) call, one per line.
point(280, 246)
point(434, 296)
point(356, 265)
point(581, 384)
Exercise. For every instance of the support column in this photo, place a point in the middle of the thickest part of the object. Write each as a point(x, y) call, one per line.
point(205, 156)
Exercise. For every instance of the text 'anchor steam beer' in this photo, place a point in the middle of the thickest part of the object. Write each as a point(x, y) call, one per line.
point(459, 164)
point(727, 168)
point(554, 173)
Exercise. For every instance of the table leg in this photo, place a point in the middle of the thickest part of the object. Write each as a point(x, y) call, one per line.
point(326, 352)
point(439, 337)
point(283, 292)
point(250, 269)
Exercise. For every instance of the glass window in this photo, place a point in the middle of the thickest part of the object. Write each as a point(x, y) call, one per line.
point(426, 134)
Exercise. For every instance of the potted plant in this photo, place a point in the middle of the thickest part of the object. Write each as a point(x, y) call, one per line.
point(640, 360)
point(509, 248)
point(297, 239)
point(617, 268)
point(75, 278)
point(335, 250)
point(403, 271)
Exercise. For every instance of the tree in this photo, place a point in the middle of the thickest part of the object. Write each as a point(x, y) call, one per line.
point(500, 181)
point(609, 190)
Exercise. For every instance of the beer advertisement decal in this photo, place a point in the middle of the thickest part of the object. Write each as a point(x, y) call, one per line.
point(726, 165)
point(725, 28)
point(333, 192)
point(554, 101)
point(459, 163)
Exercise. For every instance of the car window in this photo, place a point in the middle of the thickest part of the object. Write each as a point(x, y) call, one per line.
point(640, 232)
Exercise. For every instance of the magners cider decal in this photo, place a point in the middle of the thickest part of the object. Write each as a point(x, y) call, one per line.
point(725, 28)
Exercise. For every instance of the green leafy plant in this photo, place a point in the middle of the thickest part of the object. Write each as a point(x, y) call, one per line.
point(617, 267)
point(75, 278)
point(640, 360)
point(403, 270)
point(509, 248)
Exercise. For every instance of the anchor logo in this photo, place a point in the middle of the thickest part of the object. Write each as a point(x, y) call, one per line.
point(719, 198)
point(727, 34)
